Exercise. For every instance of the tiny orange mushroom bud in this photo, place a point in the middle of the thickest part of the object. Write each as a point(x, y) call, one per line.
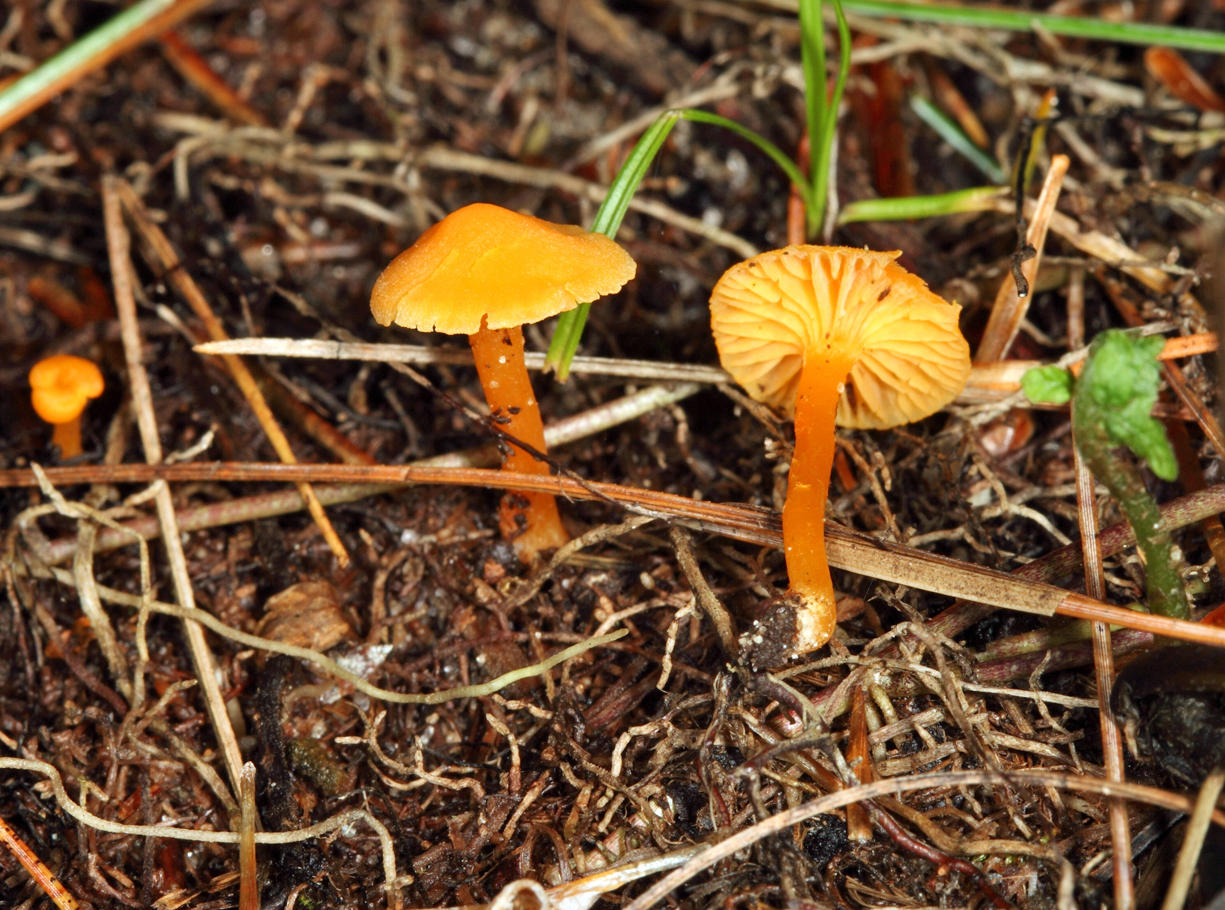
point(60, 387)
point(824, 334)
point(485, 271)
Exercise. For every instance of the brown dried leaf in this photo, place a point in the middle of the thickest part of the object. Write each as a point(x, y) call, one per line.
point(1169, 68)
point(307, 614)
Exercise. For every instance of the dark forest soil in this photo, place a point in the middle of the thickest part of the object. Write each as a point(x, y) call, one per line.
point(366, 123)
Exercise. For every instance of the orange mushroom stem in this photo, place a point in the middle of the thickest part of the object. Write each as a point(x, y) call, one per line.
point(531, 520)
point(816, 404)
point(60, 387)
point(830, 335)
point(485, 271)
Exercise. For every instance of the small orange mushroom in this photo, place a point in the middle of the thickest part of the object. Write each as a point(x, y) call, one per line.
point(60, 387)
point(485, 271)
point(824, 334)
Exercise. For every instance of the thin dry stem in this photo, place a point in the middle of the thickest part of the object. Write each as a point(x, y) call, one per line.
point(987, 382)
point(895, 787)
point(1010, 307)
point(248, 889)
point(118, 249)
point(1193, 841)
point(848, 550)
point(1103, 662)
point(89, 820)
point(168, 263)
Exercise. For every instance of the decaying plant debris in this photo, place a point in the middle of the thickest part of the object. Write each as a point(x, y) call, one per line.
point(251, 175)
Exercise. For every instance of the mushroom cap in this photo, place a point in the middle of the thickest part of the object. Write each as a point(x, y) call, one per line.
point(61, 385)
point(771, 313)
point(484, 261)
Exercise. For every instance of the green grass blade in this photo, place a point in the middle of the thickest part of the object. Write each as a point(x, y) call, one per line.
point(953, 135)
point(812, 65)
point(612, 211)
point(1187, 39)
point(907, 208)
point(89, 52)
point(772, 151)
point(607, 221)
point(569, 331)
point(823, 142)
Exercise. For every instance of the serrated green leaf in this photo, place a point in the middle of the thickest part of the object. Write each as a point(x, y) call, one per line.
point(1121, 380)
point(1151, 444)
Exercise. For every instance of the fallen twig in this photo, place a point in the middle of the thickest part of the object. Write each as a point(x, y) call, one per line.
point(848, 549)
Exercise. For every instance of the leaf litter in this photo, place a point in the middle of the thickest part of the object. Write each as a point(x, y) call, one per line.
point(941, 750)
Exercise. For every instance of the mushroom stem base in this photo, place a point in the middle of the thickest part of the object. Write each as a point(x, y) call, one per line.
point(790, 626)
point(530, 521)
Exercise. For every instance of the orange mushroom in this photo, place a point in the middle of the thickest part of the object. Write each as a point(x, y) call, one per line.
point(60, 387)
point(824, 333)
point(485, 271)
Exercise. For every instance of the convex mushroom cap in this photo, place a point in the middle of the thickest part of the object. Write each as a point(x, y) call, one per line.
point(484, 261)
point(485, 271)
point(61, 385)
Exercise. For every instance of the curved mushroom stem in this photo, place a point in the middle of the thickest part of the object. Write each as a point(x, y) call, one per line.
point(816, 406)
point(67, 436)
point(529, 520)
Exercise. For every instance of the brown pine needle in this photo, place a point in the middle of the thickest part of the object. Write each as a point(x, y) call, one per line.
point(43, 877)
point(848, 550)
point(194, 68)
point(69, 67)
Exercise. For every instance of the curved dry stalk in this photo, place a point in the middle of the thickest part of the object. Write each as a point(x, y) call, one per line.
point(895, 787)
point(89, 820)
point(118, 247)
point(331, 667)
point(37, 869)
point(82, 569)
point(581, 893)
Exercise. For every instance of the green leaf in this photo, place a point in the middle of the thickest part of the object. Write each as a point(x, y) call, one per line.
point(607, 221)
point(1121, 381)
point(1149, 442)
point(1047, 385)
